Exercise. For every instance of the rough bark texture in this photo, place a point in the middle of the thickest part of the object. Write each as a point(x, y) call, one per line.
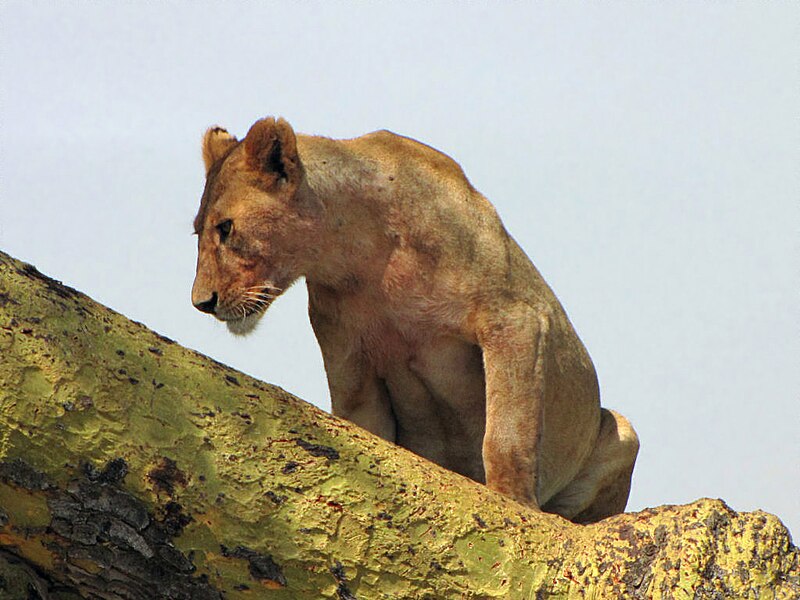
point(131, 467)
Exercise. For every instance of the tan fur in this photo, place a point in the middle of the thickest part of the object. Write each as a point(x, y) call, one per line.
point(437, 332)
point(216, 143)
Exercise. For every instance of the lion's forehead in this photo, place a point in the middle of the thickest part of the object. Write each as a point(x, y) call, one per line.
point(227, 194)
point(224, 189)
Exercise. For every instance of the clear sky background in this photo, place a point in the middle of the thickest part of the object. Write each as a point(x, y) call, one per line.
point(645, 155)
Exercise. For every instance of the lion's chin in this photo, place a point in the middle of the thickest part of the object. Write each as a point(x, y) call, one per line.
point(244, 326)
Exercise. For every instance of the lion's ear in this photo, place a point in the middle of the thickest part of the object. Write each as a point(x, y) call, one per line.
point(216, 143)
point(271, 149)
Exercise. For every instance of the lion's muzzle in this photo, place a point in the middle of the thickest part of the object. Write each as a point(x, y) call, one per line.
point(208, 305)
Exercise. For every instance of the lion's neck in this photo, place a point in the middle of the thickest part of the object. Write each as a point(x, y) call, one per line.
point(352, 246)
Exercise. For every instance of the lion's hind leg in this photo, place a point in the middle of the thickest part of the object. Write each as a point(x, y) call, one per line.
point(601, 487)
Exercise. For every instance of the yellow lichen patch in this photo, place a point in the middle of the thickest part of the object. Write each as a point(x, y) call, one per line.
point(34, 382)
point(351, 537)
point(24, 508)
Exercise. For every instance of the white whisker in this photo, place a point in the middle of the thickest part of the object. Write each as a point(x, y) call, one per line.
point(252, 306)
point(256, 288)
point(252, 302)
point(260, 296)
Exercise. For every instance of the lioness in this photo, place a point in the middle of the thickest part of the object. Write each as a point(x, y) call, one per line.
point(437, 332)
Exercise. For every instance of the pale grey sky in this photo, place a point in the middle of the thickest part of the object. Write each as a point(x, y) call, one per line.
point(645, 155)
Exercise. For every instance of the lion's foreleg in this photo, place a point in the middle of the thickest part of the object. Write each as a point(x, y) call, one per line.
point(357, 393)
point(366, 403)
point(514, 359)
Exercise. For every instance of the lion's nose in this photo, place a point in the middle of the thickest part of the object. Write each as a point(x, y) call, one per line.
point(207, 306)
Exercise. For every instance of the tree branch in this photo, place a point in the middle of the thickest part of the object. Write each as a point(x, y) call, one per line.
point(131, 467)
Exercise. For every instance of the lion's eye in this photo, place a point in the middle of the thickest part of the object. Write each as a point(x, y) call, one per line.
point(224, 229)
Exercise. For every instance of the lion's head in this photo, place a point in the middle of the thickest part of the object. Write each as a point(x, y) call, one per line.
point(253, 226)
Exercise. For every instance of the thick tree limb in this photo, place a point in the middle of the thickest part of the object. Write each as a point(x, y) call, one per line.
point(131, 467)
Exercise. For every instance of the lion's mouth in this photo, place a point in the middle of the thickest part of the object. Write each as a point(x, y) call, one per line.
point(243, 317)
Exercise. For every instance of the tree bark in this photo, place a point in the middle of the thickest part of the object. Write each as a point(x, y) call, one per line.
point(131, 467)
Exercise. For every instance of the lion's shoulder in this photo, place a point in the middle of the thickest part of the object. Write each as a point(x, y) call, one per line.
point(406, 153)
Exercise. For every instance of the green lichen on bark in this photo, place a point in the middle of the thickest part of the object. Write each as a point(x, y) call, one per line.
point(124, 455)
